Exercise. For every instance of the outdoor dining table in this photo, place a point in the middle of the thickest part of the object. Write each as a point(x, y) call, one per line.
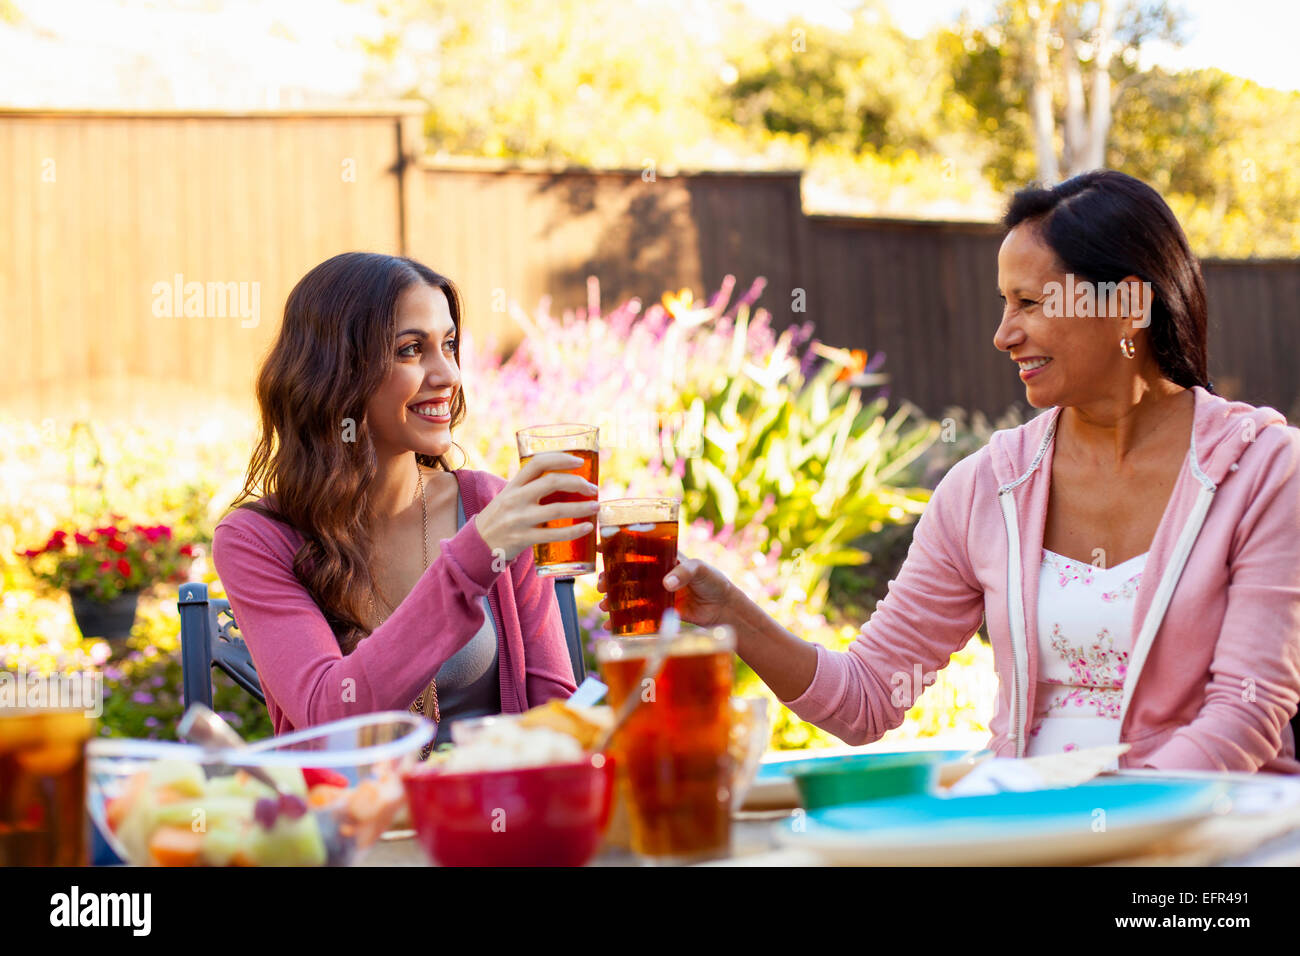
point(1266, 837)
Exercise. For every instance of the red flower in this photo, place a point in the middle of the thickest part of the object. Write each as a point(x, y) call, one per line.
point(29, 553)
point(118, 545)
point(83, 539)
point(105, 565)
point(187, 550)
point(55, 543)
point(124, 567)
point(107, 530)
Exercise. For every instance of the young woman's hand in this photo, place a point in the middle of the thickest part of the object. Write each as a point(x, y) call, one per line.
point(513, 520)
point(701, 593)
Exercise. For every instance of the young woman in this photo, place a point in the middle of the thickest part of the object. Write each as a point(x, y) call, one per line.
point(370, 575)
point(1134, 551)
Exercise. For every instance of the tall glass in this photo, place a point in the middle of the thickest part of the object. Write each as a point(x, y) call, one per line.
point(565, 558)
point(43, 818)
point(674, 765)
point(638, 539)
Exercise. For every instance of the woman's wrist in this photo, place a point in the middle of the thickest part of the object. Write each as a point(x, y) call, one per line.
point(783, 661)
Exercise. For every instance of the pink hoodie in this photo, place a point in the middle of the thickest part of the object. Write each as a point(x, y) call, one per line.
point(1214, 672)
point(305, 676)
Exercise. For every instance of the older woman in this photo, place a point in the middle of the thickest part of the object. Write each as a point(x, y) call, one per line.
point(366, 574)
point(1134, 551)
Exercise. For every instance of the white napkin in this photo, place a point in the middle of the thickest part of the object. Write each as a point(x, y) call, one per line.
point(1002, 774)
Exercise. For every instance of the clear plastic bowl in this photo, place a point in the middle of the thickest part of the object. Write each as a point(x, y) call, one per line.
point(365, 754)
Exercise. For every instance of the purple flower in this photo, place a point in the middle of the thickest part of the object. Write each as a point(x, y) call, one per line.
point(141, 697)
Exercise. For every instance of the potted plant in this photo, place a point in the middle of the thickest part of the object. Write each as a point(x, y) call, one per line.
point(104, 569)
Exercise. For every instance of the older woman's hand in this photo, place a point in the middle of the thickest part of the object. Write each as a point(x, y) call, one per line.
point(702, 594)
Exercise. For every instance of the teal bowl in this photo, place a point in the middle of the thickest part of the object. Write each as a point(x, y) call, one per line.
point(834, 781)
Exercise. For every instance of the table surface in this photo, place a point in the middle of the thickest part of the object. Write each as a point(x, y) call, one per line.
point(1256, 839)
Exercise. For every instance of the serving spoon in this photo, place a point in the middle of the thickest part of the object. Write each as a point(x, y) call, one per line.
point(203, 726)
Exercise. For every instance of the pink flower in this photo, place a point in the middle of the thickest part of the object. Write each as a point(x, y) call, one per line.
point(104, 566)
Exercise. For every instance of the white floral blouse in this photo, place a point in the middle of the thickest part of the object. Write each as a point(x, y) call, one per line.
point(1085, 620)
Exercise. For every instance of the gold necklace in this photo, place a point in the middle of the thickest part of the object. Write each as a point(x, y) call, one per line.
point(431, 692)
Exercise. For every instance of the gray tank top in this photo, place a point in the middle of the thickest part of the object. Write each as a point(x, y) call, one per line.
point(469, 683)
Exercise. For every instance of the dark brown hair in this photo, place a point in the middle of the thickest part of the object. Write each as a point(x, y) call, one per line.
point(335, 348)
point(1104, 225)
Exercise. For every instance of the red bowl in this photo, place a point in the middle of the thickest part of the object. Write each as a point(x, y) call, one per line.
point(535, 816)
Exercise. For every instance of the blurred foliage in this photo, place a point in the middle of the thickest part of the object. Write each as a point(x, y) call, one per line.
point(1217, 147)
point(806, 456)
point(881, 123)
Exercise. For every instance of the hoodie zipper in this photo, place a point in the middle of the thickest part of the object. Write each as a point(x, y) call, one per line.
point(1164, 592)
point(1016, 619)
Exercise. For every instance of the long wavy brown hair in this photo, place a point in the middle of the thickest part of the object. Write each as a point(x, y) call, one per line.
point(314, 462)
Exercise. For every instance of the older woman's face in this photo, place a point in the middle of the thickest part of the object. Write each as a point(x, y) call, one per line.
point(411, 410)
point(1083, 359)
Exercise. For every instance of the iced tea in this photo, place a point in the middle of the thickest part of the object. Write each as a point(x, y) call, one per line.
point(638, 539)
point(578, 556)
point(674, 764)
point(43, 787)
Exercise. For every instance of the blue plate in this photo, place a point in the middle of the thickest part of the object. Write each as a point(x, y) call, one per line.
point(1097, 820)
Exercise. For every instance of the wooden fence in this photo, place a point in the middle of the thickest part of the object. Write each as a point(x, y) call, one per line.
point(108, 220)
point(104, 216)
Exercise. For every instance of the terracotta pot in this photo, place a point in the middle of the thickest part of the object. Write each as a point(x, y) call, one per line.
point(111, 620)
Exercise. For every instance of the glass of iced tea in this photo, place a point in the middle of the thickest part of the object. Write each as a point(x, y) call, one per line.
point(638, 539)
point(565, 558)
point(43, 818)
point(675, 766)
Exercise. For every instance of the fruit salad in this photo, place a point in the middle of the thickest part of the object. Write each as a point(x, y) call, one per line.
point(173, 814)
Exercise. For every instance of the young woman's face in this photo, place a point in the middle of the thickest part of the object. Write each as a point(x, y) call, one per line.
point(1084, 362)
point(411, 410)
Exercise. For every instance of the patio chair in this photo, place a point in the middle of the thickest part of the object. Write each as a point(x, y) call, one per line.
point(208, 640)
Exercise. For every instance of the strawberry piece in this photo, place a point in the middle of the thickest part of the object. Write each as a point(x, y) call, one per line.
point(315, 775)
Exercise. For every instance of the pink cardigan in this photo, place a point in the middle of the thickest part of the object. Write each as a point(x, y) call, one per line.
point(307, 679)
point(1214, 673)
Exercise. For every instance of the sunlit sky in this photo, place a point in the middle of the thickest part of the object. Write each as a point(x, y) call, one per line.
point(253, 53)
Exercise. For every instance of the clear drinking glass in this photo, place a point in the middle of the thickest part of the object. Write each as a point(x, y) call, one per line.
point(43, 818)
point(565, 558)
point(638, 539)
point(673, 756)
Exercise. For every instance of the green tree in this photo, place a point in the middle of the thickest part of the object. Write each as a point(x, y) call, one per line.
point(561, 80)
